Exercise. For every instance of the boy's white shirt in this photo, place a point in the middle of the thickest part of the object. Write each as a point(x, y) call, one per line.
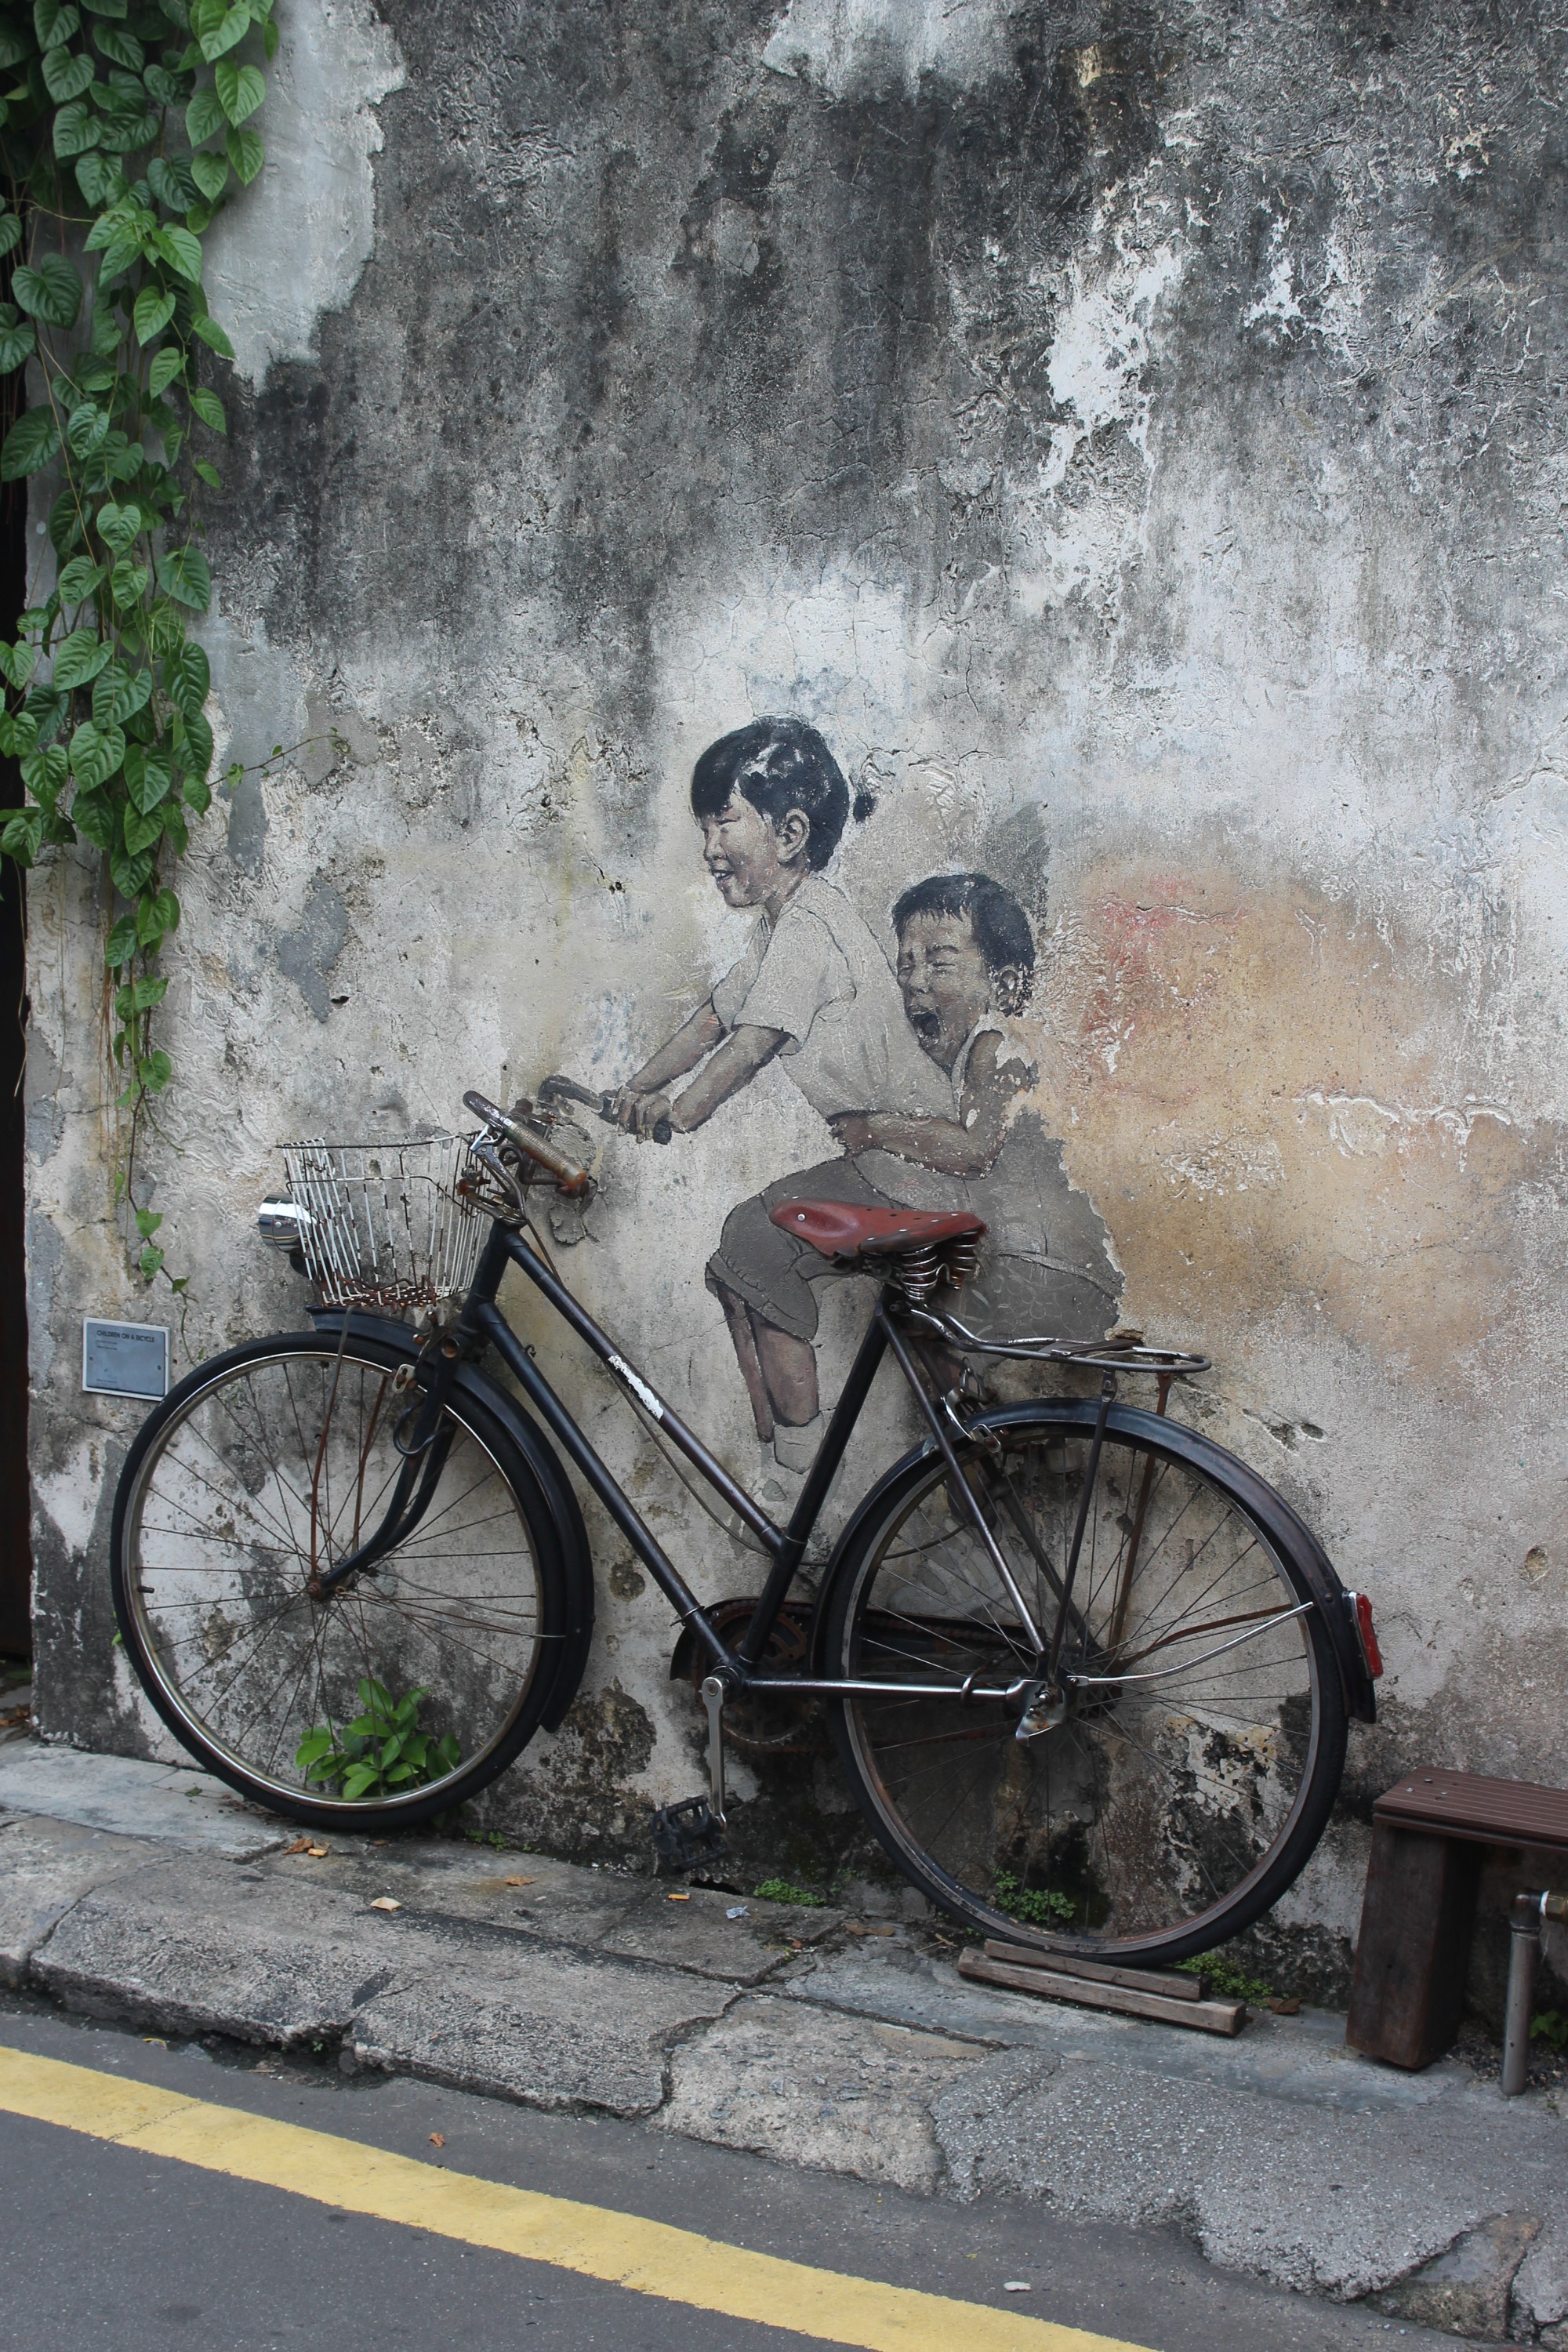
point(820, 975)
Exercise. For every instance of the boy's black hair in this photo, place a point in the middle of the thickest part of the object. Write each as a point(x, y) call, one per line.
point(1001, 928)
point(779, 764)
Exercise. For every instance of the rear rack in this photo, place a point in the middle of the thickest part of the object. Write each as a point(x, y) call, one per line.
point(1128, 1353)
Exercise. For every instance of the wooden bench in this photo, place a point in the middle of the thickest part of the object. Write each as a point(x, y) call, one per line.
point(1428, 1832)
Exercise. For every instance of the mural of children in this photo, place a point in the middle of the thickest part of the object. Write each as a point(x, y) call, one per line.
point(814, 989)
point(967, 960)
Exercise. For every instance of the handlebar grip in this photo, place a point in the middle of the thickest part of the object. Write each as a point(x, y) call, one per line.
point(570, 1178)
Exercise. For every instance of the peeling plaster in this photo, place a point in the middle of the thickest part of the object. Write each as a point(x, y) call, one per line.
point(293, 245)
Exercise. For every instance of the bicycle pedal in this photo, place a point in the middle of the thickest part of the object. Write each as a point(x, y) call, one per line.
point(687, 1834)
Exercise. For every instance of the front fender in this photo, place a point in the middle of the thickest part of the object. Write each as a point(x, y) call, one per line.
point(560, 1500)
point(1271, 1511)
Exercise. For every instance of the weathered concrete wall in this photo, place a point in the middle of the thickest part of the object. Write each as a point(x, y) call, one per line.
point(1135, 436)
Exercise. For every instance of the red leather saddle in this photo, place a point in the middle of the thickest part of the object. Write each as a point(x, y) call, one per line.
point(839, 1229)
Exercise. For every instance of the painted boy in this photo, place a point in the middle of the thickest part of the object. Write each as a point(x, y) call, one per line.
point(966, 961)
point(814, 990)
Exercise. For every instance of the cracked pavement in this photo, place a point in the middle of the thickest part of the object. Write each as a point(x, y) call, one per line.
point(147, 1893)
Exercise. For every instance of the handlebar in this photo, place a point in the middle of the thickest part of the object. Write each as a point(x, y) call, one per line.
point(563, 1090)
point(570, 1178)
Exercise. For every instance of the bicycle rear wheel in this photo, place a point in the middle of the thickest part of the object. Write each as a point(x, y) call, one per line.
point(411, 1686)
point(1187, 1785)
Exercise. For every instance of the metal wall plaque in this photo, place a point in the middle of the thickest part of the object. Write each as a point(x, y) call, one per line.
point(124, 1359)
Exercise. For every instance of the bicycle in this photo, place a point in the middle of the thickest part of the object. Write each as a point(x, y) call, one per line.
point(1089, 1677)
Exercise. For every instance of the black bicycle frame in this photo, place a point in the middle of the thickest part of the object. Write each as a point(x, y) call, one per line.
point(481, 1321)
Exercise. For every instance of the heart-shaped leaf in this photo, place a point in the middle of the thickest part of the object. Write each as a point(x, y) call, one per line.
point(77, 128)
point(96, 752)
point(79, 658)
point(127, 871)
point(31, 443)
point(184, 574)
point(128, 585)
point(67, 73)
point(18, 340)
point(187, 680)
point(54, 21)
point(247, 153)
point(181, 250)
point(142, 831)
point(98, 818)
point(230, 27)
point(48, 290)
point(118, 526)
point(17, 663)
point(44, 774)
point(154, 308)
point(117, 694)
point(210, 172)
point(204, 116)
point(169, 364)
point(81, 576)
point(21, 830)
point(119, 948)
point(147, 779)
point(240, 89)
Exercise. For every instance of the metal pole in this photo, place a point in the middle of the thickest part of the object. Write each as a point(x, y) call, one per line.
point(1528, 1917)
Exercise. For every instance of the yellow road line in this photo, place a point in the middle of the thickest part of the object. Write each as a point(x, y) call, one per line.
point(647, 2257)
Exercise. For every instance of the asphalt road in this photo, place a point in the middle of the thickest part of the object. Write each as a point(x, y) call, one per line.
point(107, 2245)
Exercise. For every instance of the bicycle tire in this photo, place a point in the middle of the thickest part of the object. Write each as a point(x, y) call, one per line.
point(1165, 1813)
point(234, 1503)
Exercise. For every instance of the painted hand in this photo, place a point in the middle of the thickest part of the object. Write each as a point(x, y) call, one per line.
point(643, 1113)
point(852, 1128)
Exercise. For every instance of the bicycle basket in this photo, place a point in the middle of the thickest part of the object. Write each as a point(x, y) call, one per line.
point(386, 1224)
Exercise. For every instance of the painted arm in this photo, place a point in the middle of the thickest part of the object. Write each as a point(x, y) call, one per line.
point(743, 1052)
point(965, 1147)
point(640, 1103)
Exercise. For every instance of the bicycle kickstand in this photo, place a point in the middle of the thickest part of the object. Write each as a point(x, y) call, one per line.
point(692, 1833)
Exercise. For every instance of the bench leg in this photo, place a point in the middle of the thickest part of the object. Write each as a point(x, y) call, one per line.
point(1408, 1990)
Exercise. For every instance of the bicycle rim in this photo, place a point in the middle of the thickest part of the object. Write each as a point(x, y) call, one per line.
point(1183, 1790)
point(410, 1685)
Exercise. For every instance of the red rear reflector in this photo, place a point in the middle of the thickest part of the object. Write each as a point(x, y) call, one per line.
point(1365, 1628)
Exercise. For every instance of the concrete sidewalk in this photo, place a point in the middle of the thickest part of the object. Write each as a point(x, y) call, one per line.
point(140, 1891)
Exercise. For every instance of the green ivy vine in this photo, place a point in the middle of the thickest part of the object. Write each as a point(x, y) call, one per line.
point(121, 129)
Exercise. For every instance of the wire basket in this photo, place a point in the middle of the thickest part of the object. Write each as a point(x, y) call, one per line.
point(387, 1224)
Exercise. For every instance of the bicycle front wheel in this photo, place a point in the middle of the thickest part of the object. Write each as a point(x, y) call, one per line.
point(1196, 1760)
point(408, 1687)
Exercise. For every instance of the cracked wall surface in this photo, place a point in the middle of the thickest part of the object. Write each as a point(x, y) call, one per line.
point(1135, 436)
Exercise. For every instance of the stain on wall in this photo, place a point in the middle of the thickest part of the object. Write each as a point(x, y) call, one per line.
point(1134, 437)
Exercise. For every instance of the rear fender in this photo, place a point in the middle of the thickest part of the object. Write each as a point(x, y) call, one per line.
point(1335, 1605)
point(560, 1501)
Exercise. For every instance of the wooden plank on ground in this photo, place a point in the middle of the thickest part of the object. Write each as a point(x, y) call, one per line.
point(1067, 1964)
point(1207, 2016)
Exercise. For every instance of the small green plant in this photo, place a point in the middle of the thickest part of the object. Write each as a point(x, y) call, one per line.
point(1036, 1907)
point(781, 1890)
point(1227, 1981)
point(486, 1837)
point(382, 1752)
point(1550, 2027)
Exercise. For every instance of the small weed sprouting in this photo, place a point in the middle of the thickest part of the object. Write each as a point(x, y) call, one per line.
point(1229, 1982)
point(781, 1890)
point(382, 1752)
point(1036, 1907)
point(1550, 2026)
point(486, 1837)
